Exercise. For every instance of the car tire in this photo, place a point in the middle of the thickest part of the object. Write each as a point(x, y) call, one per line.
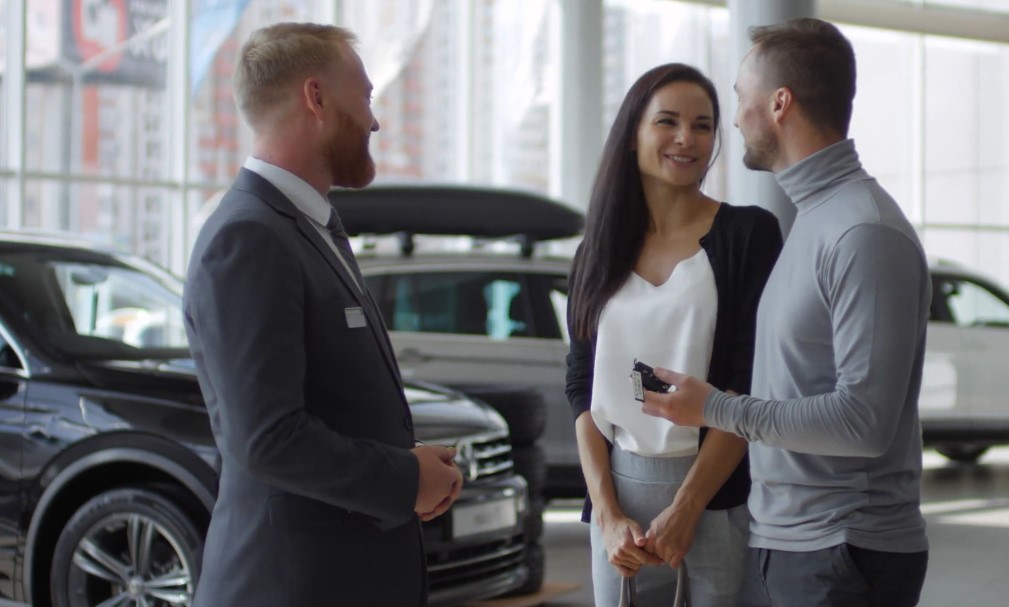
point(963, 453)
point(531, 463)
point(535, 560)
point(534, 520)
point(524, 409)
point(95, 559)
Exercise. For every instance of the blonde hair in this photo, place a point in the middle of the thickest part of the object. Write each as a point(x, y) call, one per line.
point(275, 56)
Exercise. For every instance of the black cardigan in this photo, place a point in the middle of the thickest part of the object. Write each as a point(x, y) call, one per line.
point(742, 247)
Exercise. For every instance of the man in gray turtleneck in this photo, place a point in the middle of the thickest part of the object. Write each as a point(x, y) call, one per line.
point(833, 423)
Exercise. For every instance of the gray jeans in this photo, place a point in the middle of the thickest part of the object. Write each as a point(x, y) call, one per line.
point(839, 576)
point(716, 562)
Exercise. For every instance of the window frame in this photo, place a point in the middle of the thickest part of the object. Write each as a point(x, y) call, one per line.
point(19, 352)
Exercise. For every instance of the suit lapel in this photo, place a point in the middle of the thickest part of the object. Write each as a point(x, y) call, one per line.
point(377, 321)
point(309, 231)
point(255, 184)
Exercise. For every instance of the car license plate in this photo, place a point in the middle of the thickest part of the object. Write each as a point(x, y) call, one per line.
point(471, 519)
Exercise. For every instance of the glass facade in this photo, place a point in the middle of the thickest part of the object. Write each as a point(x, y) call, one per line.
point(966, 157)
point(639, 35)
point(130, 133)
point(465, 93)
point(3, 86)
point(885, 119)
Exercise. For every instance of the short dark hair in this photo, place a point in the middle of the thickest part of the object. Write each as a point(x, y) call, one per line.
point(618, 215)
point(813, 59)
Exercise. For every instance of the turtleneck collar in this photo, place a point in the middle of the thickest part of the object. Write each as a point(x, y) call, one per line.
point(831, 165)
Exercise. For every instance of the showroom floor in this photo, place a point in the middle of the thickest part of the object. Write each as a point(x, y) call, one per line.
point(967, 508)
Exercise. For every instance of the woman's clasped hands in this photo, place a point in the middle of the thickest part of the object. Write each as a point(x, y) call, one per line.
point(629, 547)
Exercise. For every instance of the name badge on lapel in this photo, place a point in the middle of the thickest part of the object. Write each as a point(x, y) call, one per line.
point(355, 318)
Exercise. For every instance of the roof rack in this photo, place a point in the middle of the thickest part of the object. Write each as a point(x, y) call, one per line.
point(482, 212)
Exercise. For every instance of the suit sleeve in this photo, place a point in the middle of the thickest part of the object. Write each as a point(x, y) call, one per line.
point(758, 258)
point(245, 318)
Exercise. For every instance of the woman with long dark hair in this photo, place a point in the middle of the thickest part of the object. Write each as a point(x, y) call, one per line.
point(669, 276)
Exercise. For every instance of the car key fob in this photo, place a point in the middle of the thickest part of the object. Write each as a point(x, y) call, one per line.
point(643, 378)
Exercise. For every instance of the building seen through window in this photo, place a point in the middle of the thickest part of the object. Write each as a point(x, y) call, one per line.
point(130, 133)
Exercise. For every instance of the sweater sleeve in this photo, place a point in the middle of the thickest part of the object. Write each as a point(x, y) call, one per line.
point(876, 282)
point(759, 255)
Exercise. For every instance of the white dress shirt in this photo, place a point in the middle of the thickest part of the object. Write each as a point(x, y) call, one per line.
point(306, 199)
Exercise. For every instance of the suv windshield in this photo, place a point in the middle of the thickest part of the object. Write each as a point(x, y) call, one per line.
point(94, 306)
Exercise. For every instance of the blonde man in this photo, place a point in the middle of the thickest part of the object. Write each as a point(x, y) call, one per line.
point(322, 490)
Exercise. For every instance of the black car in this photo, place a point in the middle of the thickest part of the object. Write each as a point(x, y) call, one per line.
point(108, 469)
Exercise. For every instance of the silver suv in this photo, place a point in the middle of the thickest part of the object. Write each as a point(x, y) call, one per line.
point(963, 405)
point(486, 319)
point(490, 326)
point(490, 321)
point(486, 323)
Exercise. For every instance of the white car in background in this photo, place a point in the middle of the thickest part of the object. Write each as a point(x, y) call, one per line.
point(491, 322)
point(964, 403)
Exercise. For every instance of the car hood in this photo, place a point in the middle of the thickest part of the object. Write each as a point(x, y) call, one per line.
point(439, 414)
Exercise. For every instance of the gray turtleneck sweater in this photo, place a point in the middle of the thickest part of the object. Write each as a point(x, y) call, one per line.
point(835, 449)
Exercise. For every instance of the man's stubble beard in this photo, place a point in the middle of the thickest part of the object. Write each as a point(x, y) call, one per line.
point(349, 157)
point(760, 154)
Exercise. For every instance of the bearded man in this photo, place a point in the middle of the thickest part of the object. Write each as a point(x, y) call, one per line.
point(322, 486)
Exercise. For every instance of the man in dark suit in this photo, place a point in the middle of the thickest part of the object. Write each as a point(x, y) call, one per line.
point(322, 487)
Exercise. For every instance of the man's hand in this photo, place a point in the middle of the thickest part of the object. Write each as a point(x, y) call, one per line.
point(685, 405)
point(440, 481)
point(625, 543)
point(672, 533)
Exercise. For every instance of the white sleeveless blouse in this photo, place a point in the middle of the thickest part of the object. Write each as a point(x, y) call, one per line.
point(672, 326)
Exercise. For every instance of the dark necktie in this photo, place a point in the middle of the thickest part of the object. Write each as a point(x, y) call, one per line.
point(335, 228)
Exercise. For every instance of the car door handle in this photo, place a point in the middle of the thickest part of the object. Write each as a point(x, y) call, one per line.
point(412, 355)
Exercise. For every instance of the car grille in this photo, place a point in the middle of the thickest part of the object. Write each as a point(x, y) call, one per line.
point(465, 565)
point(483, 457)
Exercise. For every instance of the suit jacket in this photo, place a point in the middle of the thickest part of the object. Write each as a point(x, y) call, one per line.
point(317, 486)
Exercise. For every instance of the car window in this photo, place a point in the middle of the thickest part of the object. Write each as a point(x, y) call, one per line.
point(492, 304)
point(94, 309)
point(972, 304)
point(121, 304)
